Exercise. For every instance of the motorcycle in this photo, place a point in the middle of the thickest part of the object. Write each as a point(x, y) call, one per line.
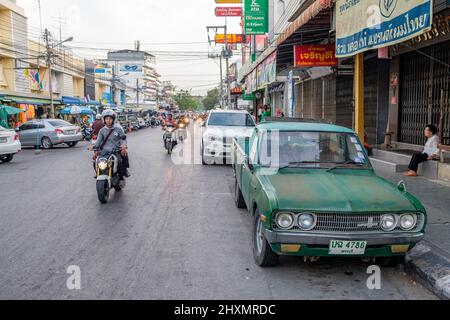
point(153, 122)
point(106, 165)
point(87, 132)
point(170, 138)
point(182, 131)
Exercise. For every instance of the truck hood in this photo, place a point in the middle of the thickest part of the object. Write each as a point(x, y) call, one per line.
point(336, 192)
point(229, 132)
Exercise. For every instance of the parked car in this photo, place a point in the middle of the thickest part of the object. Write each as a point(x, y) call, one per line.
point(9, 144)
point(219, 130)
point(312, 192)
point(48, 133)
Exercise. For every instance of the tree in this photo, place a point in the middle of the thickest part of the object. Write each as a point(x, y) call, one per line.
point(185, 100)
point(211, 99)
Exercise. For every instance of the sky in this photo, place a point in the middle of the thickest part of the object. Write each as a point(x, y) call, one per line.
point(164, 27)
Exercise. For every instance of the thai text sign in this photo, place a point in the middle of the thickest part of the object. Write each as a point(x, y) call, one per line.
point(231, 38)
point(267, 71)
point(363, 25)
point(315, 55)
point(256, 17)
point(228, 12)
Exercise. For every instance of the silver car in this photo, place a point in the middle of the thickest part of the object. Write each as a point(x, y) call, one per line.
point(49, 132)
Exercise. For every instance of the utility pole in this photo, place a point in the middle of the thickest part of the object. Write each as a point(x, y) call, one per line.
point(221, 82)
point(137, 93)
point(49, 67)
point(228, 68)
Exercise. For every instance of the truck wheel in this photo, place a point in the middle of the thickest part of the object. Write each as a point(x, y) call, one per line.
point(6, 158)
point(262, 252)
point(238, 197)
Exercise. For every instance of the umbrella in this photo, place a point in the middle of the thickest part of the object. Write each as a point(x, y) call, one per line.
point(10, 110)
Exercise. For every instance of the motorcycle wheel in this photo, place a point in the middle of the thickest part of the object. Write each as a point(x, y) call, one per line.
point(103, 191)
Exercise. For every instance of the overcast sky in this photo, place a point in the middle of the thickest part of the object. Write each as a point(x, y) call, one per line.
point(162, 26)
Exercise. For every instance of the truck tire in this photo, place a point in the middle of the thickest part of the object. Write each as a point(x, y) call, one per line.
point(262, 252)
point(238, 197)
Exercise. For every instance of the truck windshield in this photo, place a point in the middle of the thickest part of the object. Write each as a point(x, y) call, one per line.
point(300, 149)
point(231, 119)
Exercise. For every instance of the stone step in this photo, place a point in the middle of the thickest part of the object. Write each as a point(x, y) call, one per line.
point(381, 165)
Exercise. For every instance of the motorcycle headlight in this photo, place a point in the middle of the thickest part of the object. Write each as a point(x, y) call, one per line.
point(388, 222)
point(408, 221)
point(285, 220)
point(182, 125)
point(307, 221)
point(102, 164)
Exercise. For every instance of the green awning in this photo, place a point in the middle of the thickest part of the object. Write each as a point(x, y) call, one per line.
point(10, 110)
point(25, 100)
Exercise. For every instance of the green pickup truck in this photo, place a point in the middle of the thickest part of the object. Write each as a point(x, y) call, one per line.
point(312, 192)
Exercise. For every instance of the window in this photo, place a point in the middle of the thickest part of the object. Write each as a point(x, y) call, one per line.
point(231, 119)
point(59, 123)
point(311, 149)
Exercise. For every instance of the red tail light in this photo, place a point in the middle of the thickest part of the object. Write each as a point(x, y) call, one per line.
point(59, 131)
point(16, 137)
point(78, 130)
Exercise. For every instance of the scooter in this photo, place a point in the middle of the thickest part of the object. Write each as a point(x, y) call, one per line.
point(170, 138)
point(87, 132)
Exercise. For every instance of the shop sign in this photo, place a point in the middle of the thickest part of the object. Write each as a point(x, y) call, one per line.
point(228, 12)
point(231, 38)
point(315, 55)
point(373, 24)
point(256, 17)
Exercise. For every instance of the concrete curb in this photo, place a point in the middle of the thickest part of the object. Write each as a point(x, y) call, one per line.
point(432, 268)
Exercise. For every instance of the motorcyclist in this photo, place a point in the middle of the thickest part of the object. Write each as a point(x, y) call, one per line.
point(170, 121)
point(111, 138)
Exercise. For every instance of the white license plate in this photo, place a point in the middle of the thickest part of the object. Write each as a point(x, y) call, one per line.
point(70, 132)
point(3, 140)
point(347, 248)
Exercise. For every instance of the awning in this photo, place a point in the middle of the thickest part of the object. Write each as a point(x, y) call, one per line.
point(315, 8)
point(10, 110)
point(77, 110)
point(72, 101)
point(25, 100)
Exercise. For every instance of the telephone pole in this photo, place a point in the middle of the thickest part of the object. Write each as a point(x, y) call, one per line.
point(49, 67)
point(137, 93)
point(227, 57)
point(219, 56)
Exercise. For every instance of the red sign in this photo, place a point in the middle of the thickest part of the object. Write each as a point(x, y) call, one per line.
point(229, 12)
point(231, 38)
point(315, 55)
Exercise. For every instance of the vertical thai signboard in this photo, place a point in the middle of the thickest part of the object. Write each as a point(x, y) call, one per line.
point(291, 97)
point(256, 16)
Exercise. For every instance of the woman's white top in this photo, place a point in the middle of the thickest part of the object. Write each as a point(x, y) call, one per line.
point(432, 146)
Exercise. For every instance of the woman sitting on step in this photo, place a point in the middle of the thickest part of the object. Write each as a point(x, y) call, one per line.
point(430, 152)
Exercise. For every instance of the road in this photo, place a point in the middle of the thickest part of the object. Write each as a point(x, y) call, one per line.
point(174, 233)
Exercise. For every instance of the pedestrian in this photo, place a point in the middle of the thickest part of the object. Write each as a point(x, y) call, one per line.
point(97, 125)
point(266, 113)
point(430, 152)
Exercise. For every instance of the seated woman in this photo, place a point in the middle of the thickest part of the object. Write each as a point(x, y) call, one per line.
point(430, 152)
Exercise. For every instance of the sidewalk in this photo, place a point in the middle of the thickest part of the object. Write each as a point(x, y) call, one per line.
point(430, 260)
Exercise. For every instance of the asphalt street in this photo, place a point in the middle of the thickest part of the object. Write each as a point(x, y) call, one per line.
point(173, 233)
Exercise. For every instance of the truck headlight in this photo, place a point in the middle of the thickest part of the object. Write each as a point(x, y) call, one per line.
point(388, 222)
point(408, 221)
point(307, 221)
point(285, 220)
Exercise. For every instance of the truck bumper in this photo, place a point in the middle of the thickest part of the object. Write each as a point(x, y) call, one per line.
point(380, 244)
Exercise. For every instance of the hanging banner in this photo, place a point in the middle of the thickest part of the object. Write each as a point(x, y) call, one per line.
point(256, 17)
point(372, 24)
point(267, 71)
point(228, 1)
point(315, 55)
